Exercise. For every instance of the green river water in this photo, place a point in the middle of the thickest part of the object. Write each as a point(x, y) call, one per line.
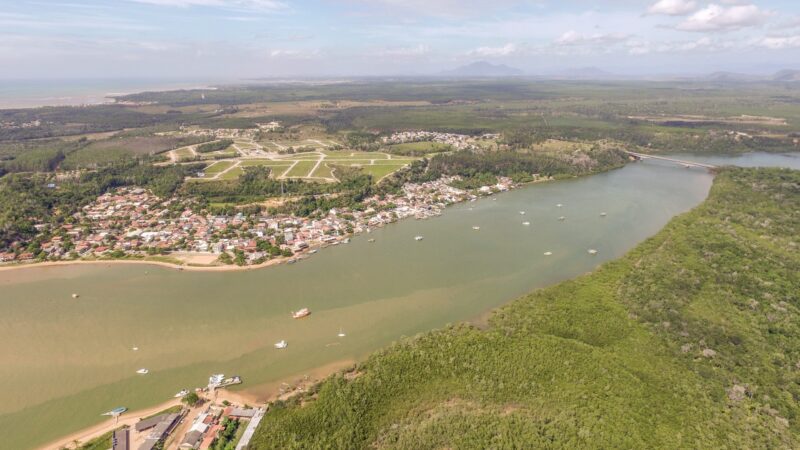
point(64, 361)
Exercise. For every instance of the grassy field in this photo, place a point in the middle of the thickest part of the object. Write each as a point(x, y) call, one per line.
point(217, 167)
point(689, 341)
point(302, 169)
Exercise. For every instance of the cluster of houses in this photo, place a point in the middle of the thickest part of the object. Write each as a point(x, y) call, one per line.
point(457, 141)
point(135, 222)
point(9, 125)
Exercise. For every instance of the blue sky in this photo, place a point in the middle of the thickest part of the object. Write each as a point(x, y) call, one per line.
point(236, 39)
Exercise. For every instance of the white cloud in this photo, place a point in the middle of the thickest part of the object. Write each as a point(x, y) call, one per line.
point(253, 5)
point(506, 50)
point(780, 42)
point(293, 54)
point(672, 7)
point(419, 50)
point(719, 18)
point(572, 37)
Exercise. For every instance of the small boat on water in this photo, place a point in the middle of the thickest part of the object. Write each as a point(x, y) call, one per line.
point(115, 411)
point(75, 295)
point(562, 218)
point(592, 251)
point(559, 205)
point(548, 253)
point(299, 314)
point(370, 240)
point(313, 251)
point(341, 333)
point(522, 213)
point(136, 349)
point(182, 393)
point(476, 228)
point(526, 223)
point(281, 345)
point(347, 241)
point(418, 238)
point(142, 371)
point(602, 214)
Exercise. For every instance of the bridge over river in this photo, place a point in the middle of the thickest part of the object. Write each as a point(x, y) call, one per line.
point(677, 161)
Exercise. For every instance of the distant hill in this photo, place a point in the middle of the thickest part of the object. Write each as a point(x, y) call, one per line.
point(731, 76)
point(483, 69)
point(787, 75)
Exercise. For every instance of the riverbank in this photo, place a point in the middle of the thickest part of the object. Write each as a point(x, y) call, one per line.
point(189, 325)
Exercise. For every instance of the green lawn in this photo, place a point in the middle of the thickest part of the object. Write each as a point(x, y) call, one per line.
point(301, 169)
point(323, 171)
point(217, 167)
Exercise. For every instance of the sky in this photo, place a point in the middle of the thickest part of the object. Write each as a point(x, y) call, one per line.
point(243, 39)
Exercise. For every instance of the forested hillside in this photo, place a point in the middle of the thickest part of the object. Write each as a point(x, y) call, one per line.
point(692, 340)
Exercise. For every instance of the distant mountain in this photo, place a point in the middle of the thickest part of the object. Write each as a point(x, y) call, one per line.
point(731, 76)
point(483, 69)
point(787, 75)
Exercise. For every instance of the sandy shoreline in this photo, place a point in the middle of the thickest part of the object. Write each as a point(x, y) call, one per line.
point(255, 396)
point(188, 268)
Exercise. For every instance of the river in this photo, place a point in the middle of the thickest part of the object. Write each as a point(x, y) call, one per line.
point(64, 361)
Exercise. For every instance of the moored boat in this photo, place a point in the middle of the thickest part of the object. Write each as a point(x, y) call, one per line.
point(182, 393)
point(281, 344)
point(142, 371)
point(299, 314)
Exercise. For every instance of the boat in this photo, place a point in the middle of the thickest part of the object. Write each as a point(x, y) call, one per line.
point(299, 314)
point(313, 251)
point(136, 349)
point(526, 223)
point(602, 214)
point(216, 379)
point(281, 344)
point(142, 371)
point(562, 218)
point(371, 240)
point(341, 333)
point(75, 295)
point(522, 213)
point(418, 238)
point(548, 253)
point(182, 393)
point(476, 228)
point(592, 251)
point(347, 241)
point(559, 205)
point(115, 411)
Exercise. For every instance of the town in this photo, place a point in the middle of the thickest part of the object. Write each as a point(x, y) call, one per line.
point(134, 223)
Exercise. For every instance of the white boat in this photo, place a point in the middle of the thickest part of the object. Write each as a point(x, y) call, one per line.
point(526, 223)
point(559, 205)
point(548, 253)
point(341, 333)
point(115, 411)
point(476, 228)
point(371, 240)
point(75, 295)
point(562, 218)
point(592, 251)
point(299, 314)
point(182, 393)
point(602, 214)
point(522, 213)
point(136, 349)
point(347, 241)
point(313, 251)
point(281, 344)
point(418, 238)
point(142, 371)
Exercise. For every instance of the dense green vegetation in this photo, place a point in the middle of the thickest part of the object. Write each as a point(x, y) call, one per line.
point(215, 146)
point(689, 341)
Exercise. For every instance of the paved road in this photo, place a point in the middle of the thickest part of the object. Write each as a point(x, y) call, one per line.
point(251, 429)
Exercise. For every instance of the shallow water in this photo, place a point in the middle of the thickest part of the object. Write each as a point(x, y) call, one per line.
point(64, 361)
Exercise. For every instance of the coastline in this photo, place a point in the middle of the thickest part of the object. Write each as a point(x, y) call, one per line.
point(258, 395)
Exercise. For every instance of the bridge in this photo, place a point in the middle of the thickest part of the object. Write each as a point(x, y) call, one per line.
point(676, 161)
